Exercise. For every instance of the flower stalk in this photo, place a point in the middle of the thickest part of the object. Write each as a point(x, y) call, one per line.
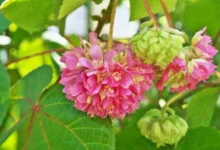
point(173, 99)
point(150, 12)
point(112, 20)
point(167, 14)
point(36, 54)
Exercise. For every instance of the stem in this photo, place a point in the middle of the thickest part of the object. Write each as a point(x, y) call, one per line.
point(89, 12)
point(176, 146)
point(170, 22)
point(151, 14)
point(112, 20)
point(105, 18)
point(173, 99)
point(33, 55)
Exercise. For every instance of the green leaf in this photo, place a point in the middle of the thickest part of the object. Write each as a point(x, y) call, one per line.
point(146, 24)
point(14, 75)
point(3, 21)
point(130, 137)
point(31, 15)
point(201, 107)
point(28, 89)
point(153, 94)
point(200, 138)
point(57, 120)
point(98, 1)
point(29, 46)
point(75, 40)
point(68, 6)
point(32, 85)
point(202, 10)
point(4, 92)
point(215, 119)
point(42, 121)
point(139, 11)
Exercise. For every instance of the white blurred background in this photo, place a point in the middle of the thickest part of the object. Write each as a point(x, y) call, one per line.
point(122, 28)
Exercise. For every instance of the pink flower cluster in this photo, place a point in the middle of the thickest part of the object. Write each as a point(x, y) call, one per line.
point(192, 66)
point(112, 83)
point(105, 84)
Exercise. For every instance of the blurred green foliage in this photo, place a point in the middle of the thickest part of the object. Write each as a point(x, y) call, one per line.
point(4, 92)
point(138, 10)
point(68, 6)
point(3, 21)
point(202, 115)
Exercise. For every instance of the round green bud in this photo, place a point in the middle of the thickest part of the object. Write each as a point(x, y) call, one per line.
point(162, 130)
point(158, 46)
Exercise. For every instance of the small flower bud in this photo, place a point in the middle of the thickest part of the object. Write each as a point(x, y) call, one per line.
point(158, 46)
point(162, 130)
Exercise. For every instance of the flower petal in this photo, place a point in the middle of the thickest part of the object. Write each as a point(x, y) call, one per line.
point(82, 98)
point(93, 38)
point(126, 80)
point(75, 89)
point(86, 63)
point(71, 63)
point(96, 52)
point(109, 56)
point(119, 47)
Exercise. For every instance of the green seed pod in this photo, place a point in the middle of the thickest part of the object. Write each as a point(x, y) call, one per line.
point(158, 46)
point(162, 130)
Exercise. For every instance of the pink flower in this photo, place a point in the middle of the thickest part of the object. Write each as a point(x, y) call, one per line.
point(105, 84)
point(194, 66)
point(198, 70)
point(181, 77)
point(203, 45)
point(174, 75)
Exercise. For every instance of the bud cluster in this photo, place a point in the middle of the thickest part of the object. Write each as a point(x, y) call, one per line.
point(192, 65)
point(179, 67)
point(158, 46)
point(162, 130)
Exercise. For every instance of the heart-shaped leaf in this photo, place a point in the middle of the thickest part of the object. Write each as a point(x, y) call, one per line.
point(26, 91)
point(51, 122)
